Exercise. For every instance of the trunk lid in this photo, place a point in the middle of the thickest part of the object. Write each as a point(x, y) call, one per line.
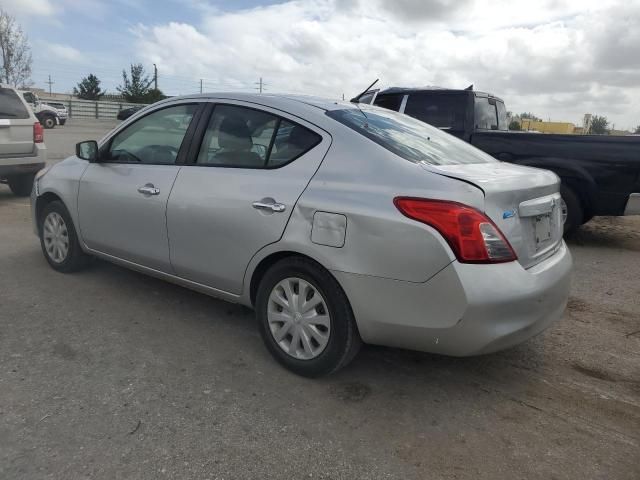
point(16, 124)
point(523, 202)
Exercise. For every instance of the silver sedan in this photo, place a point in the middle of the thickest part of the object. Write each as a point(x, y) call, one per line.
point(338, 223)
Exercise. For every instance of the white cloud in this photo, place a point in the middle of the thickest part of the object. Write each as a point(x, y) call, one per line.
point(554, 57)
point(28, 7)
point(64, 52)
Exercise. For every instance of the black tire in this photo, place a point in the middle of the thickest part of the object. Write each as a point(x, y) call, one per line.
point(21, 185)
point(344, 340)
point(575, 212)
point(48, 121)
point(75, 259)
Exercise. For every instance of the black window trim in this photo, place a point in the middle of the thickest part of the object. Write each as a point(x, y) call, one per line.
point(196, 142)
point(184, 145)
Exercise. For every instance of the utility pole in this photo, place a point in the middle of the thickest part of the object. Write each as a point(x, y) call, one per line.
point(50, 83)
point(155, 76)
point(261, 85)
point(200, 85)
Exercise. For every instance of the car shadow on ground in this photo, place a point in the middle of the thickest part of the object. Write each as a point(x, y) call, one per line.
point(609, 232)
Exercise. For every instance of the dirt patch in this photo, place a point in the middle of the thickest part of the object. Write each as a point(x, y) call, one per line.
point(351, 392)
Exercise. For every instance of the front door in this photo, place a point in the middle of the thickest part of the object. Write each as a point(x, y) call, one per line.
point(251, 168)
point(123, 197)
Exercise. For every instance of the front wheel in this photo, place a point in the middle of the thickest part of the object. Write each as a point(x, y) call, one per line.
point(305, 318)
point(48, 122)
point(58, 239)
point(21, 185)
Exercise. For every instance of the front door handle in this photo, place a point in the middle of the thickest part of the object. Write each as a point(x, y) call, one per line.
point(149, 189)
point(272, 206)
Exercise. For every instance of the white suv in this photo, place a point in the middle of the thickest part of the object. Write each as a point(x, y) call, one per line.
point(22, 149)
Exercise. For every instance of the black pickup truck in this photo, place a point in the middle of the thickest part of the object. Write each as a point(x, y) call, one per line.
point(600, 174)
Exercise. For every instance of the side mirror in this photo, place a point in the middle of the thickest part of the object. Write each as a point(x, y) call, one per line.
point(87, 150)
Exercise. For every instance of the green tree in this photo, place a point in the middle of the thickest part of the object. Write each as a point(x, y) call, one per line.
point(89, 88)
point(15, 51)
point(137, 89)
point(515, 125)
point(530, 116)
point(637, 132)
point(599, 125)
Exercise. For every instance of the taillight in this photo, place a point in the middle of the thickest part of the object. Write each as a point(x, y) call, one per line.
point(38, 133)
point(472, 236)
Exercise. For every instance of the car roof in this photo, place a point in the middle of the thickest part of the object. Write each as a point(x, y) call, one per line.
point(434, 89)
point(278, 101)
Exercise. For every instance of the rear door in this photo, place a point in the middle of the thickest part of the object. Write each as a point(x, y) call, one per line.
point(16, 125)
point(122, 198)
point(236, 197)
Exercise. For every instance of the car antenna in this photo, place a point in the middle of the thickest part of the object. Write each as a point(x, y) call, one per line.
point(357, 97)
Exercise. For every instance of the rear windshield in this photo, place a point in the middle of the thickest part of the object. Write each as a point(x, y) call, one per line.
point(11, 106)
point(409, 138)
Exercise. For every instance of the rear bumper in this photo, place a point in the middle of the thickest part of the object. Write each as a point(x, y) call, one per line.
point(633, 205)
point(463, 310)
point(24, 164)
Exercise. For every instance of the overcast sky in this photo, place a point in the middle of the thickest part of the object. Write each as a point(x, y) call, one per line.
point(556, 58)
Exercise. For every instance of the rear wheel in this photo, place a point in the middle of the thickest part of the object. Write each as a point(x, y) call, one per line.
point(21, 185)
point(305, 318)
point(58, 239)
point(572, 211)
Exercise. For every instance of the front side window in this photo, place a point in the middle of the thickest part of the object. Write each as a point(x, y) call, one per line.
point(409, 138)
point(503, 124)
point(11, 106)
point(154, 139)
point(444, 110)
point(485, 114)
point(247, 138)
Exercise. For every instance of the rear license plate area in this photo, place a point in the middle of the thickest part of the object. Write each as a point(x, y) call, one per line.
point(542, 230)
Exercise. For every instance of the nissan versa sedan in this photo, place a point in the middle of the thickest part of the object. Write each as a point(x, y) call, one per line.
point(338, 223)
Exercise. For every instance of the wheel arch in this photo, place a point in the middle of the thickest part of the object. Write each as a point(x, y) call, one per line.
point(42, 201)
point(267, 262)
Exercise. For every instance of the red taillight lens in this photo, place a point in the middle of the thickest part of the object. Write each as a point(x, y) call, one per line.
point(472, 236)
point(38, 133)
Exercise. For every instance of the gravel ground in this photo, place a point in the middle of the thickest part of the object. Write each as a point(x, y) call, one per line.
point(111, 374)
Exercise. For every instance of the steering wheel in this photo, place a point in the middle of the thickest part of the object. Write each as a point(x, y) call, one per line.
point(156, 152)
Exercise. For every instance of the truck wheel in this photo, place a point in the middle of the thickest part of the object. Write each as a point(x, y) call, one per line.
point(21, 186)
point(49, 122)
point(572, 211)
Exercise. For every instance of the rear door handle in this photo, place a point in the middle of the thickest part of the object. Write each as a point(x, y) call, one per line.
point(149, 189)
point(274, 207)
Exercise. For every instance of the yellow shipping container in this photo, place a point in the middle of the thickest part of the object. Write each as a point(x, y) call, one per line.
point(547, 127)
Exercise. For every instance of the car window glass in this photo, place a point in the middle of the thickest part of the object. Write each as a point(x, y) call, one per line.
point(392, 102)
point(153, 139)
point(502, 116)
point(11, 106)
point(485, 114)
point(291, 141)
point(247, 138)
point(440, 110)
point(409, 138)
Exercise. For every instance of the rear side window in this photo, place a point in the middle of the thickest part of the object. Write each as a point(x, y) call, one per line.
point(392, 102)
point(409, 138)
point(445, 111)
point(11, 106)
point(247, 138)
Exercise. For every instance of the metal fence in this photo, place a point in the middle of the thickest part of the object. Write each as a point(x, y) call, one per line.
point(77, 108)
